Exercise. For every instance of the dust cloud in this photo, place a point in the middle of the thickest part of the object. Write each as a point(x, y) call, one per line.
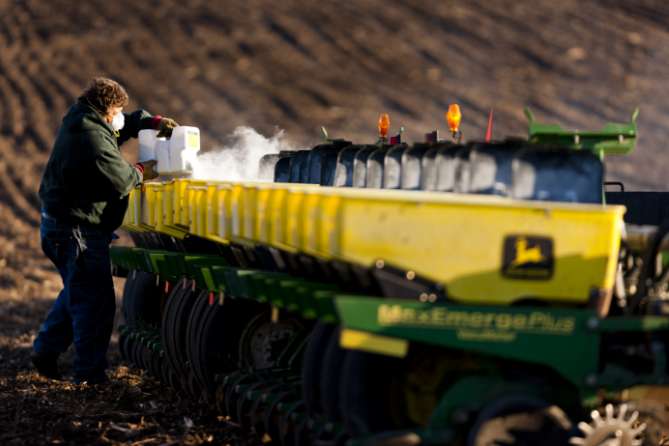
point(239, 159)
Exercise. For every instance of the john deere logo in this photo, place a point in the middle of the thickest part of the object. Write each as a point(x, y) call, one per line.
point(527, 257)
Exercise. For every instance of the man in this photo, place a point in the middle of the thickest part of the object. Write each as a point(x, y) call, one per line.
point(84, 194)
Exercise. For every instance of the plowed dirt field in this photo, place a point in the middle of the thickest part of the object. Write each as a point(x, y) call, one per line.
point(295, 65)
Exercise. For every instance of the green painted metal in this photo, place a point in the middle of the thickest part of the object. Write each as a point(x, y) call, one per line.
point(631, 323)
point(169, 265)
point(200, 269)
point(566, 340)
point(311, 299)
point(218, 276)
point(128, 258)
point(263, 287)
point(612, 139)
point(557, 338)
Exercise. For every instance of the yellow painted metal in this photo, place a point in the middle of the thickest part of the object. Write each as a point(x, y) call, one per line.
point(291, 218)
point(248, 209)
point(197, 204)
point(235, 209)
point(164, 211)
point(454, 240)
point(148, 204)
point(183, 193)
point(167, 197)
point(191, 200)
point(250, 216)
point(180, 206)
point(223, 199)
point(329, 223)
point(293, 225)
point(458, 241)
point(156, 211)
point(261, 222)
point(204, 198)
point(198, 207)
point(134, 211)
point(211, 224)
point(276, 222)
point(137, 214)
point(228, 206)
point(319, 220)
point(368, 342)
point(309, 221)
point(128, 220)
point(211, 212)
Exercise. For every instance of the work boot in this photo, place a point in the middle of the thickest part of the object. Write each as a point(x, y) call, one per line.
point(46, 365)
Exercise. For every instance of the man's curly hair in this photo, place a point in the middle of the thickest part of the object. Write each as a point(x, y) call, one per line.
point(104, 93)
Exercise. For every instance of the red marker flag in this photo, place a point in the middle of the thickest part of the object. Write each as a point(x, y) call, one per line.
point(488, 132)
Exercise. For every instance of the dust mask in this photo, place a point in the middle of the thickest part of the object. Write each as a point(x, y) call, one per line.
point(118, 121)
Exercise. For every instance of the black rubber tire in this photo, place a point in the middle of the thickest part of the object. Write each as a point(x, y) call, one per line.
point(146, 356)
point(312, 364)
point(128, 295)
point(194, 334)
point(155, 364)
point(168, 332)
point(364, 389)
point(166, 323)
point(123, 345)
point(127, 346)
point(164, 368)
point(331, 375)
point(135, 354)
point(178, 329)
point(178, 340)
point(214, 349)
point(205, 350)
point(237, 315)
point(143, 308)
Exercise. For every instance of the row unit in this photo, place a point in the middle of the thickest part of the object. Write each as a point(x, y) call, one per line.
point(512, 168)
point(479, 249)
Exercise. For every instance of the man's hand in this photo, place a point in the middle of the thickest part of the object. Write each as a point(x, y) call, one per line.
point(165, 127)
point(148, 169)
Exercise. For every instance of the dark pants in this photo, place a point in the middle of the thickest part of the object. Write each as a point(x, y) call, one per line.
point(83, 313)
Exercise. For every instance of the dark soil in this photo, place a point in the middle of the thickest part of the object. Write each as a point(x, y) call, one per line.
point(294, 65)
point(132, 409)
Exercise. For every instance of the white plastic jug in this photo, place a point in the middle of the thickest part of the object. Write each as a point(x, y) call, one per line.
point(185, 137)
point(162, 150)
point(182, 160)
point(147, 144)
point(174, 155)
point(184, 145)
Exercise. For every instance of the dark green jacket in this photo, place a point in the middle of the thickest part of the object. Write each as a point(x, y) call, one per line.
point(86, 180)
